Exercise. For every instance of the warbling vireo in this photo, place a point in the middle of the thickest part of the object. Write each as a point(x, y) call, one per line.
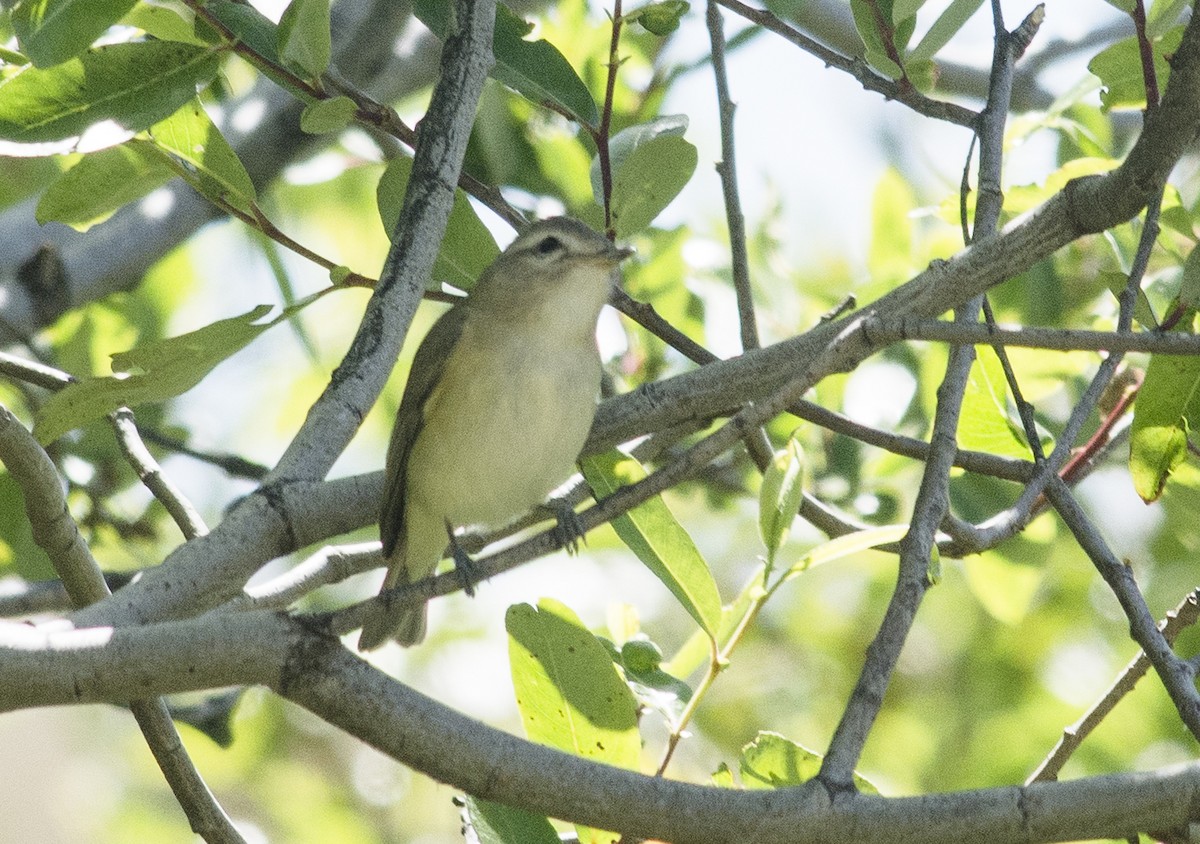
point(498, 404)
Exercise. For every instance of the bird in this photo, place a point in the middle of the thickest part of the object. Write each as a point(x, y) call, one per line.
point(499, 402)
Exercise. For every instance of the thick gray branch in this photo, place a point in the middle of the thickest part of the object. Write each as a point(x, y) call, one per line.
point(309, 668)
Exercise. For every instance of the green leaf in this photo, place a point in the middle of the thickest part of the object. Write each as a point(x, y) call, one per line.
point(660, 18)
point(655, 688)
point(659, 541)
point(569, 693)
point(947, 25)
point(167, 368)
point(890, 253)
point(102, 182)
point(19, 553)
point(495, 823)
point(868, 30)
point(1167, 407)
point(534, 69)
point(323, 116)
point(52, 31)
point(623, 144)
point(468, 247)
point(166, 22)
point(986, 423)
point(135, 85)
point(1120, 70)
point(211, 165)
point(648, 180)
point(248, 25)
point(772, 761)
point(698, 648)
point(902, 10)
point(844, 546)
point(303, 37)
point(1189, 286)
point(1143, 311)
point(780, 496)
point(1163, 15)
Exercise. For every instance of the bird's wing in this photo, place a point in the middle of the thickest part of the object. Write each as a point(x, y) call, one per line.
point(424, 376)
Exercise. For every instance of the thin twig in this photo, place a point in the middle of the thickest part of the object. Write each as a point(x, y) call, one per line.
point(152, 476)
point(1177, 620)
point(727, 170)
point(857, 68)
point(56, 532)
point(601, 133)
point(1177, 675)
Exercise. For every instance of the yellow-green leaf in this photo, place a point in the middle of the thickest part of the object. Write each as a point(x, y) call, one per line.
point(653, 533)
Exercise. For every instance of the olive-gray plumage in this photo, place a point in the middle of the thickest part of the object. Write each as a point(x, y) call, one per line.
point(498, 404)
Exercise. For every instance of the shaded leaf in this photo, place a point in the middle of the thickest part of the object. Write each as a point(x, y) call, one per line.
point(332, 115)
point(622, 145)
point(648, 180)
point(780, 495)
point(248, 25)
point(1120, 70)
point(102, 182)
point(660, 18)
point(535, 69)
point(468, 247)
point(495, 823)
point(303, 37)
point(947, 25)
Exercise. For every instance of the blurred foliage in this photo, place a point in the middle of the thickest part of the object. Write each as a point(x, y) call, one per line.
point(1008, 649)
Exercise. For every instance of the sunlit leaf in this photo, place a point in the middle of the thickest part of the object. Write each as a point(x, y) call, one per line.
point(987, 424)
point(212, 166)
point(1004, 588)
point(1167, 408)
point(151, 373)
point(52, 31)
point(135, 85)
point(652, 532)
point(569, 693)
point(772, 761)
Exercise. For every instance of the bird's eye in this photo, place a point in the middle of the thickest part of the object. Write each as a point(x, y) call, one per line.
point(547, 245)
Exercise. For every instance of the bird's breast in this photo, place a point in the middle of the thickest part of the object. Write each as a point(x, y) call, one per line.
point(504, 426)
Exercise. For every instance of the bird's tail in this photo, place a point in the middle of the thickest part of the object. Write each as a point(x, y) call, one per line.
point(404, 624)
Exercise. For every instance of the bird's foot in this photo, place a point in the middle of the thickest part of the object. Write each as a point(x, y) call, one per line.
point(568, 530)
point(464, 566)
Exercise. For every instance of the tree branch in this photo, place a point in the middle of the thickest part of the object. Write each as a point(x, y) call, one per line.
point(314, 671)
